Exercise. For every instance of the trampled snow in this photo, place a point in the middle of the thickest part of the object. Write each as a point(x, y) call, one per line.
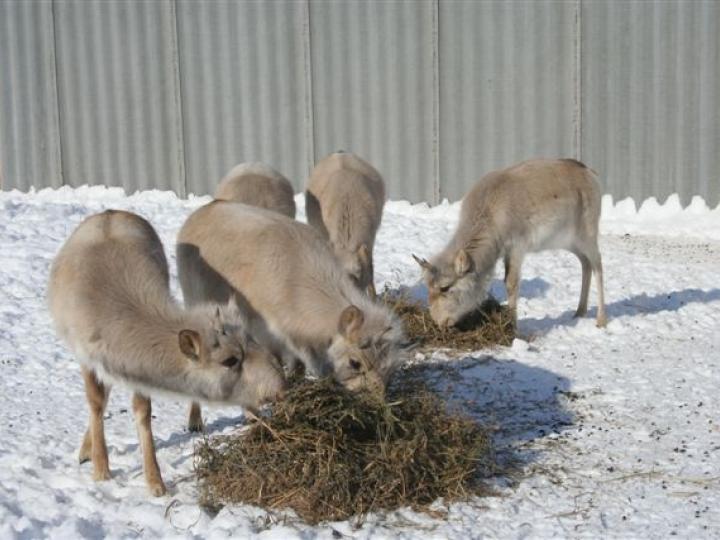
point(616, 431)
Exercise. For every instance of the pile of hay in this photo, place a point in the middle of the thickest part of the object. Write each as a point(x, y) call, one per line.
point(490, 325)
point(330, 454)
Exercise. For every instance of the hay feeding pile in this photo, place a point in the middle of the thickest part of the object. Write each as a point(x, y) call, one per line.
point(330, 454)
point(490, 325)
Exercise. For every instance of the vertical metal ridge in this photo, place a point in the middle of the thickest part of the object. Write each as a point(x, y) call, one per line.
point(309, 102)
point(577, 150)
point(373, 88)
point(260, 111)
point(118, 120)
point(170, 94)
point(53, 126)
point(26, 35)
point(223, 136)
point(709, 125)
point(507, 86)
point(178, 104)
point(647, 112)
point(436, 100)
point(146, 82)
point(9, 100)
point(243, 88)
point(29, 137)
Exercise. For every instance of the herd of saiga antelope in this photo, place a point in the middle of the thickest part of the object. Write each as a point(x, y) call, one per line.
point(264, 292)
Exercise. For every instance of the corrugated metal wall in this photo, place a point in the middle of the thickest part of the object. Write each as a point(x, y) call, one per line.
point(172, 93)
point(29, 129)
point(507, 88)
point(651, 97)
point(372, 84)
point(118, 94)
point(243, 86)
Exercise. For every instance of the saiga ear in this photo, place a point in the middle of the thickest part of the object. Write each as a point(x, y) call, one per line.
point(189, 341)
point(233, 307)
point(351, 320)
point(463, 263)
point(217, 320)
point(424, 264)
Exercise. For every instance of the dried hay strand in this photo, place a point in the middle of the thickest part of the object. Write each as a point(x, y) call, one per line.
point(330, 454)
point(492, 324)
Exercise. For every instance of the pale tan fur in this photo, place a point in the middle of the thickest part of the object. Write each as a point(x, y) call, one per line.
point(255, 184)
point(532, 206)
point(344, 198)
point(258, 185)
point(294, 289)
point(110, 300)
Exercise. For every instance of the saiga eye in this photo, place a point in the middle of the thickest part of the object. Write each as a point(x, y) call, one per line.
point(231, 362)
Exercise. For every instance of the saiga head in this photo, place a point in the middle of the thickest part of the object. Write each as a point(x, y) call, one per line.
point(366, 350)
point(220, 349)
point(455, 287)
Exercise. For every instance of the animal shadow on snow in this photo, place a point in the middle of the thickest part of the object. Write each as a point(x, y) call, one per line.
point(179, 437)
point(522, 404)
point(640, 304)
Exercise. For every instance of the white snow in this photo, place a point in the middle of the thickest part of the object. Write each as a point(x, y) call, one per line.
point(616, 431)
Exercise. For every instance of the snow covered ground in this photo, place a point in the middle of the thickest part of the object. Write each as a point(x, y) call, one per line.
point(617, 430)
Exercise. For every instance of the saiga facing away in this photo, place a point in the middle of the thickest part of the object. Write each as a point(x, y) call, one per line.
point(344, 201)
point(258, 185)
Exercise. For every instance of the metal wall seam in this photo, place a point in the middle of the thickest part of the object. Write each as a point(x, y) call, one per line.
point(309, 103)
point(177, 96)
point(170, 94)
point(578, 80)
point(56, 123)
point(507, 86)
point(645, 124)
point(29, 132)
point(116, 84)
point(243, 87)
point(373, 89)
point(436, 101)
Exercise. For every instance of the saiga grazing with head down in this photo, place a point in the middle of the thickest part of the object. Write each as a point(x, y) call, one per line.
point(110, 300)
point(344, 201)
point(532, 206)
point(255, 184)
point(258, 185)
point(289, 281)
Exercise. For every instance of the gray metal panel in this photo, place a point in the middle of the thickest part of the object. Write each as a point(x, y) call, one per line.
point(651, 97)
point(29, 138)
point(507, 90)
point(243, 86)
point(372, 86)
point(118, 94)
point(432, 91)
